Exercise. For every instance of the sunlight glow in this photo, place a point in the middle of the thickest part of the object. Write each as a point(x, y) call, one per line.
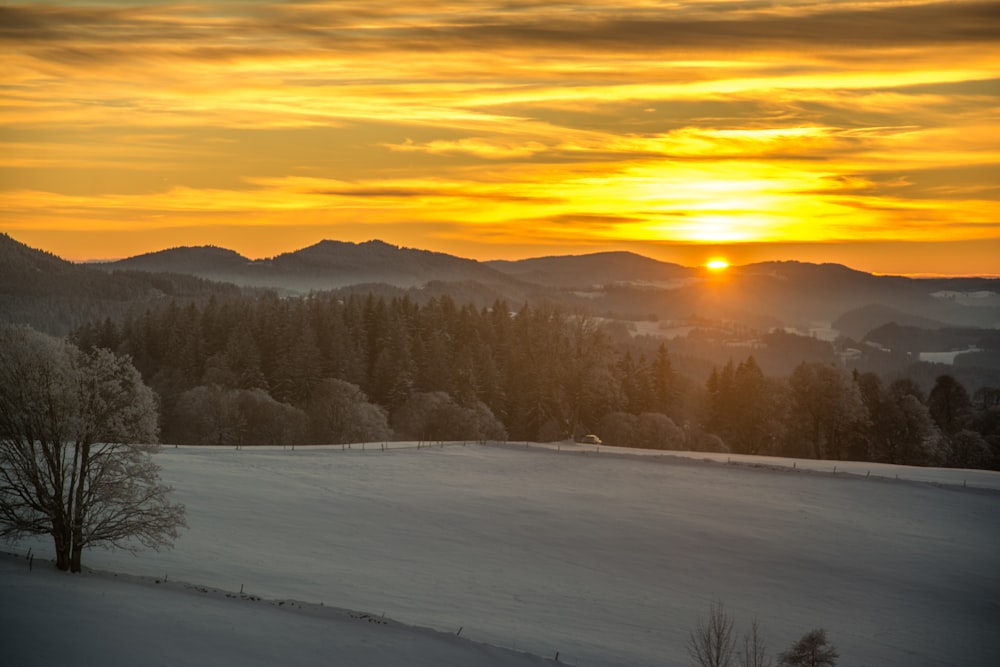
point(718, 264)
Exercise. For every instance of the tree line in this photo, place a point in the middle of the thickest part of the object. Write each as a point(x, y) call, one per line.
point(825, 411)
point(331, 368)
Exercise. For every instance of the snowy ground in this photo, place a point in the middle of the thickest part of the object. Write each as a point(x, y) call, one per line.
point(105, 620)
point(606, 558)
point(964, 477)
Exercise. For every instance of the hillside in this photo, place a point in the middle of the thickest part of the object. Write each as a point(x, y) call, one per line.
point(597, 270)
point(211, 261)
point(135, 620)
point(613, 284)
point(858, 322)
point(915, 340)
point(763, 295)
point(815, 295)
point(607, 559)
point(56, 296)
point(714, 314)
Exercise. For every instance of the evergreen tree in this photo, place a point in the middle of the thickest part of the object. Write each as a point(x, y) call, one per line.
point(665, 381)
point(826, 407)
point(950, 405)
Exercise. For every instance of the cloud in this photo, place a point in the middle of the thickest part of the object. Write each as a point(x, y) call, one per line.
point(223, 31)
point(584, 121)
point(477, 146)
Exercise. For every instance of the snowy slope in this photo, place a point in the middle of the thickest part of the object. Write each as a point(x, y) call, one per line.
point(608, 560)
point(102, 620)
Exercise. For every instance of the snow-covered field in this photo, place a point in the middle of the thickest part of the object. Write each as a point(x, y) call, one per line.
point(50, 619)
point(608, 559)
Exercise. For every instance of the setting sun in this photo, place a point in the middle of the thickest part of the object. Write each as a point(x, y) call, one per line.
point(717, 265)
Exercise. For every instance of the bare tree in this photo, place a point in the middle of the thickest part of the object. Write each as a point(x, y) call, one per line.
point(754, 653)
point(810, 651)
point(711, 643)
point(70, 460)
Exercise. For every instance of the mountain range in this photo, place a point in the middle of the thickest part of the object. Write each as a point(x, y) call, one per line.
point(620, 285)
point(326, 265)
point(56, 296)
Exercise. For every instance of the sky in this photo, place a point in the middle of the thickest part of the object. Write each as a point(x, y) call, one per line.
point(865, 133)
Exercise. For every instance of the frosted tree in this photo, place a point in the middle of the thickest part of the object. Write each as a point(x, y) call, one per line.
point(436, 416)
point(74, 462)
point(655, 430)
point(339, 412)
point(810, 651)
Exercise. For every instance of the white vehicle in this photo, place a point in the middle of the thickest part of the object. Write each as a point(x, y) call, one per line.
point(590, 440)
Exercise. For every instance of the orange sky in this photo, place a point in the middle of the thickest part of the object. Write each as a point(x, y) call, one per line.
point(865, 133)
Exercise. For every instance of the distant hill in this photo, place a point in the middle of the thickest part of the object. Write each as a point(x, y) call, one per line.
point(858, 322)
point(808, 295)
point(815, 295)
point(915, 340)
point(763, 295)
point(187, 260)
point(55, 296)
point(613, 284)
point(596, 270)
point(619, 285)
point(326, 265)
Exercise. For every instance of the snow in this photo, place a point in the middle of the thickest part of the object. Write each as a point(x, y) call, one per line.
point(99, 619)
point(977, 298)
point(946, 357)
point(607, 557)
point(964, 477)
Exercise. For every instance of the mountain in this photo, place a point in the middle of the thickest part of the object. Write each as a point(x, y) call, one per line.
point(56, 296)
point(821, 293)
point(620, 285)
point(762, 295)
point(596, 270)
point(613, 284)
point(326, 265)
point(186, 260)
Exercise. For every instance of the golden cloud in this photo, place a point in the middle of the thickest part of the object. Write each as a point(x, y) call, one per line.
point(708, 121)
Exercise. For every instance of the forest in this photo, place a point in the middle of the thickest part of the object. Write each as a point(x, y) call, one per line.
point(342, 368)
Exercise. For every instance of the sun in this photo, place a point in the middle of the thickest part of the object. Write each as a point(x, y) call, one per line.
point(717, 264)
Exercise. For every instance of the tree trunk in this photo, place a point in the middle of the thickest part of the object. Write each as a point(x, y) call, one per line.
point(60, 536)
point(79, 508)
point(62, 558)
point(76, 554)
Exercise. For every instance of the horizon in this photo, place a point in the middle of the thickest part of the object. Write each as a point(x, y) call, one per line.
point(707, 255)
point(862, 135)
